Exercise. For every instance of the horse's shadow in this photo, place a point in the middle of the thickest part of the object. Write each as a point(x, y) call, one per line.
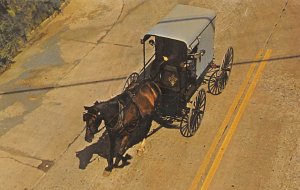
point(101, 147)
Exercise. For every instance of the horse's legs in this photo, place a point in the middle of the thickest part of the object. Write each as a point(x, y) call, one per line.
point(124, 143)
point(112, 143)
point(145, 125)
point(147, 122)
point(142, 148)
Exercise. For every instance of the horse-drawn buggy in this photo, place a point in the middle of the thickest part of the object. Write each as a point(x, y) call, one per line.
point(170, 83)
point(182, 60)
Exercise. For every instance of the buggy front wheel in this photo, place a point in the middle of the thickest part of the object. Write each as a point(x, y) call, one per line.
point(131, 79)
point(192, 119)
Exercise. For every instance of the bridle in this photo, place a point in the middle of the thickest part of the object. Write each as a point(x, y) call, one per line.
point(95, 117)
point(119, 115)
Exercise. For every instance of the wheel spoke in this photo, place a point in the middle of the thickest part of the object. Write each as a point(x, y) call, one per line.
point(220, 80)
point(130, 80)
point(196, 113)
point(214, 83)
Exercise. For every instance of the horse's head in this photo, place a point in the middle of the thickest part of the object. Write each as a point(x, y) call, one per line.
point(93, 118)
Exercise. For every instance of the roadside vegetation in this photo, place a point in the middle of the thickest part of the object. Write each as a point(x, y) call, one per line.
point(17, 19)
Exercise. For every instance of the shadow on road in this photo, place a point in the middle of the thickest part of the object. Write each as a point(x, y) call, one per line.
point(269, 60)
point(101, 147)
point(61, 86)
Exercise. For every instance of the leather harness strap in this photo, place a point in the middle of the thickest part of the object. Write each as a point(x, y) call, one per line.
point(131, 95)
point(120, 122)
point(119, 126)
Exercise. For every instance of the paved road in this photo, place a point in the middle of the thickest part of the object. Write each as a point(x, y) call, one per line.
point(85, 54)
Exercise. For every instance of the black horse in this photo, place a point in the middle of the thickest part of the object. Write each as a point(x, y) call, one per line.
point(122, 115)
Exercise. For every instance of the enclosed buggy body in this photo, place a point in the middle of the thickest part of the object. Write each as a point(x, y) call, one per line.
point(194, 27)
point(182, 59)
point(184, 44)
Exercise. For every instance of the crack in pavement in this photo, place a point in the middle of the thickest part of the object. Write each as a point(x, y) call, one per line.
point(81, 41)
point(130, 11)
point(113, 25)
point(18, 153)
point(118, 44)
point(18, 161)
point(98, 41)
point(44, 166)
point(70, 144)
point(276, 24)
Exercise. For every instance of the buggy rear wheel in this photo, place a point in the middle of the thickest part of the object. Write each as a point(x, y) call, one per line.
point(218, 80)
point(228, 61)
point(226, 66)
point(191, 120)
point(215, 84)
point(132, 78)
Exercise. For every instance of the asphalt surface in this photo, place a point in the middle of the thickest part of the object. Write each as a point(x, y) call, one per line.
point(85, 54)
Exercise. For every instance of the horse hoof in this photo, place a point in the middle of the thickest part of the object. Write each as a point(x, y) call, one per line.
point(140, 151)
point(128, 157)
point(125, 164)
point(116, 165)
point(106, 173)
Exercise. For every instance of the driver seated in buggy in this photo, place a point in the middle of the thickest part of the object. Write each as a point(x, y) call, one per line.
point(170, 66)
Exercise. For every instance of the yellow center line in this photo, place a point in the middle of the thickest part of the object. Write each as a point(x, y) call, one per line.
point(235, 122)
point(224, 124)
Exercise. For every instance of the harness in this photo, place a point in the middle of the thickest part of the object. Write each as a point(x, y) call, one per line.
point(120, 122)
point(131, 95)
point(119, 126)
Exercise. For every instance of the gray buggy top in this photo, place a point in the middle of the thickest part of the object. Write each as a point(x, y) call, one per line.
point(194, 27)
point(184, 23)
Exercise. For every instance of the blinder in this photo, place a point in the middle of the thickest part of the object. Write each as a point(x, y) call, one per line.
point(87, 115)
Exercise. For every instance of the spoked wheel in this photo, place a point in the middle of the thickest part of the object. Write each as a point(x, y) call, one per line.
point(184, 125)
point(218, 80)
point(215, 85)
point(226, 66)
point(191, 120)
point(132, 78)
